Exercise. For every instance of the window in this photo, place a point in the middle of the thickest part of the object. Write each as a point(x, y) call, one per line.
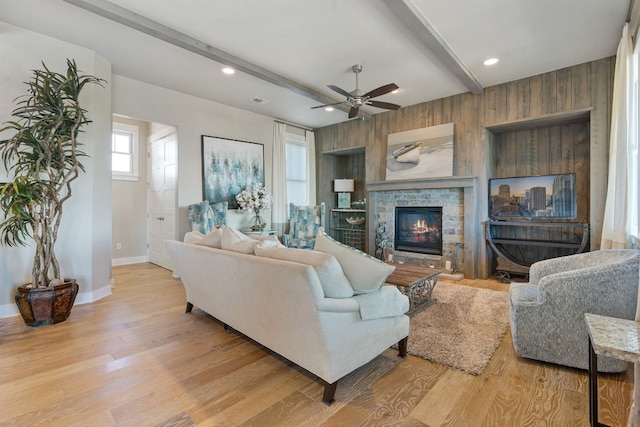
point(297, 170)
point(124, 152)
point(634, 151)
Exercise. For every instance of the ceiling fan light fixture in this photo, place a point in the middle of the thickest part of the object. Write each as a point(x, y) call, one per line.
point(490, 61)
point(358, 98)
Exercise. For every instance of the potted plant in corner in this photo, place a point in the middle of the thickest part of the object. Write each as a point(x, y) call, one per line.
point(43, 157)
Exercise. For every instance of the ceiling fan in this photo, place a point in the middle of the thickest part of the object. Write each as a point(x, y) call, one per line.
point(357, 98)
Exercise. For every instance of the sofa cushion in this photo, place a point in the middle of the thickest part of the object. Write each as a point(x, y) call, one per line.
point(365, 273)
point(333, 281)
point(268, 243)
point(234, 240)
point(213, 239)
point(193, 237)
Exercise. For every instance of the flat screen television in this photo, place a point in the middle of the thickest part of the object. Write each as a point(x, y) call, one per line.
point(533, 197)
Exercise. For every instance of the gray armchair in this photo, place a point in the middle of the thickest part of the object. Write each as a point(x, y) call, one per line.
point(547, 314)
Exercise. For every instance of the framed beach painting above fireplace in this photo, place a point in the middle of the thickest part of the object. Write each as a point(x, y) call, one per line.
point(420, 153)
point(228, 167)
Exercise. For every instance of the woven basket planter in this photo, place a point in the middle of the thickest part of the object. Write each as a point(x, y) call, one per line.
point(46, 306)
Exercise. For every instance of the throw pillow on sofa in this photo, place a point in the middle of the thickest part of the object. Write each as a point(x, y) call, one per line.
point(213, 239)
point(333, 281)
point(365, 273)
point(193, 237)
point(234, 240)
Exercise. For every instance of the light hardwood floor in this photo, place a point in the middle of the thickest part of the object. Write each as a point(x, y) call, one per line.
point(136, 359)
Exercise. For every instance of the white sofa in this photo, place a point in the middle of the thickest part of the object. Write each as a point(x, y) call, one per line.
point(282, 305)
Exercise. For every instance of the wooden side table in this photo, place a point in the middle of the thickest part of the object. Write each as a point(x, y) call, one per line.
point(611, 337)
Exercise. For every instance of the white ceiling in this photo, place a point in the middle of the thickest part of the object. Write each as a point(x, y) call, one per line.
point(315, 42)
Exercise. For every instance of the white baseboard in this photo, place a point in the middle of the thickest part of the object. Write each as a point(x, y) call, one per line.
point(87, 297)
point(130, 260)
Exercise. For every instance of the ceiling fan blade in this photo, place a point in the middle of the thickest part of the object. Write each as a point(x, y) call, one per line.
point(381, 90)
point(353, 112)
point(387, 105)
point(339, 90)
point(328, 105)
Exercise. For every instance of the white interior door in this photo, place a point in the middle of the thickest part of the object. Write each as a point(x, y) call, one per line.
point(162, 200)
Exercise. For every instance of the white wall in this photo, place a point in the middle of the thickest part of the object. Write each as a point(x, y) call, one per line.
point(84, 242)
point(193, 117)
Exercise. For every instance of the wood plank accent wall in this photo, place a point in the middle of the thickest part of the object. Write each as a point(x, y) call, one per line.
point(584, 87)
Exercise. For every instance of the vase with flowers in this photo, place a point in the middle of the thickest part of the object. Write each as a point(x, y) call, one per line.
point(255, 199)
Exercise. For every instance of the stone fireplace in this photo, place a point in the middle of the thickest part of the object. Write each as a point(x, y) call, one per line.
point(418, 229)
point(462, 239)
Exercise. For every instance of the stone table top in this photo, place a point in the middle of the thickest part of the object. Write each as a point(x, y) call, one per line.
point(612, 337)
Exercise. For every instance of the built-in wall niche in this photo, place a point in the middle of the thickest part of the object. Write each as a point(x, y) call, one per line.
point(553, 144)
point(348, 163)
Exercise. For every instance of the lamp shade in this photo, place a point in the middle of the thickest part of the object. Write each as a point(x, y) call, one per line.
point(343, 185)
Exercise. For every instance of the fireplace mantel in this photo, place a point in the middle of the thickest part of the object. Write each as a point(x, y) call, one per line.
point(417, 184)
point(473, 237)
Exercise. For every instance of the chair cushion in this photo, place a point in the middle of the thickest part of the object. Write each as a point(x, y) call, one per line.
point(365, 273)
point(333, 281)
point(220, 213)
point(201, 216)
point(305, 222)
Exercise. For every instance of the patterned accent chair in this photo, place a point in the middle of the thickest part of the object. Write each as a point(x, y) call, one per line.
point(203, 216)
point(547, 314)
point(304, 222)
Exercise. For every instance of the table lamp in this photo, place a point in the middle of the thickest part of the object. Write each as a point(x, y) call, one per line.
point(344, 188)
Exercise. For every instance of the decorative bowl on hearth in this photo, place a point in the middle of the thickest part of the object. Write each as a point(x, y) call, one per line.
point(355, 220)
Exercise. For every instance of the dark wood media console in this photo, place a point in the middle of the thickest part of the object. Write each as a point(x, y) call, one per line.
point(518, 244)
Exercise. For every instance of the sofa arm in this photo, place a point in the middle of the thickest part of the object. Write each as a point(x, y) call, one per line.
point(339, 305)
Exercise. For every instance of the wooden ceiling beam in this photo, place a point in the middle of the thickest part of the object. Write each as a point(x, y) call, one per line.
point(147, 26)
point(411, 17)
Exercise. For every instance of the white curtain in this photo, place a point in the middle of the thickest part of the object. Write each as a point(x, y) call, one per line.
point(615, 227)
point(279, 209)
point(311, 165)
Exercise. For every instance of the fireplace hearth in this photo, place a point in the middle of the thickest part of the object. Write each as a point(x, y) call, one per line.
point(418, 229)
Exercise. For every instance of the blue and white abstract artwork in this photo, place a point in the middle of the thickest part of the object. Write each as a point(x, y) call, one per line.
point(228, 167)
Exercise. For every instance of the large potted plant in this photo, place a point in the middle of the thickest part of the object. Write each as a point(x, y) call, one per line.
point(43, 157)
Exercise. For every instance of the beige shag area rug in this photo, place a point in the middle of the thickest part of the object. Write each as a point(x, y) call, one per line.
point(462, 329)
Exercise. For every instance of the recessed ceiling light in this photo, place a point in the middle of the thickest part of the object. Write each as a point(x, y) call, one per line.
point(328, 109)
point(395, 91)
point(490, 61)
point(228, 70)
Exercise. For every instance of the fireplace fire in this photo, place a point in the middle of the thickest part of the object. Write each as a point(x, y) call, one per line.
point(418, 229)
